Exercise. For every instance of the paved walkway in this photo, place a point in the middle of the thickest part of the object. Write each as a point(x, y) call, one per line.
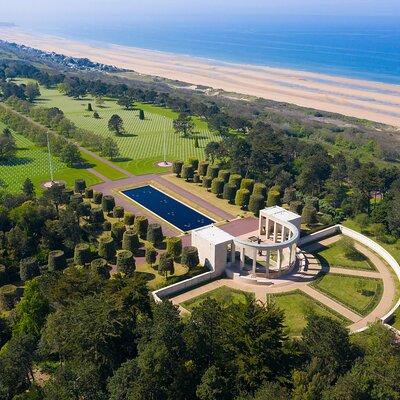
point(300, 280)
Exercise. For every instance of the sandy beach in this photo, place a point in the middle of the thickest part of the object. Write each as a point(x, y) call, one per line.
point(374, 101)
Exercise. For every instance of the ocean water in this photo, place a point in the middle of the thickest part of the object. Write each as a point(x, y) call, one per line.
point(364, 48)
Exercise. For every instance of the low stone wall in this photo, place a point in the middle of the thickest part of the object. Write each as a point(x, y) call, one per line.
point(364, 240)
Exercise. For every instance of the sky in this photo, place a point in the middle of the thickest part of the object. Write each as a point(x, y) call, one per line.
point(34, 12)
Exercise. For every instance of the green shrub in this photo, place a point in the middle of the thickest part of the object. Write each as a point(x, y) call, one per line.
point(129, 218)
point(273, 196)
point(224, 174)
point(235, 180)
point(28, 268)
point(9, 296)
point(75, 200)
point(196, 178)
point(312, 201)
point(130, 241)
point(3, 275)
point(84, 209)
point(80, 186)
point(194, 162)
point(118, 212)
point(117, 232)
point(154, 233)
point(177, 167)
point(207, 180)
point(362, 220)
point(377, 229)
point(89, 193)
point(165, 264)
point(229, 192)
point(260, 189)
point(256, 203)
point(81, 254)
point(289, 195)
point(247, 183)
point(57, 260)
point(66, 195)
point(174, 246)
point(97, 197)
point(212, 171)
point(125, 262)
point(97, 215)
point(140, 226)
point(242, 198)
point(187, 172)
point(217, 186)
point(151, 255)
point(296, 206)
point(108, 203)
point(106, 248)
point(106, 226)
point(190, 257)
point(202, 169)
point(100, 267)
point(309, 215)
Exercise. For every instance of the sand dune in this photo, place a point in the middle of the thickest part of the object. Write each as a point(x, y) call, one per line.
point(357, 98)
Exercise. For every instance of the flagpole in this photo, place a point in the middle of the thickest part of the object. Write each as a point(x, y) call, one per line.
point(165, 142)
point(50, 159)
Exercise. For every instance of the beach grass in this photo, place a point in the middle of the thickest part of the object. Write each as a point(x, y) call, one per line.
point(359, 294)
point(297, 306)
point(32, 162)
point(142, 145)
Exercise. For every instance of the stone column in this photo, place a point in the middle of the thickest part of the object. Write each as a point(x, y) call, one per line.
point(274, 236)
point(233, 253)
point(254, 262)
point(279, 261)
point(283, 234)
point(242, 255)
point(267, 263)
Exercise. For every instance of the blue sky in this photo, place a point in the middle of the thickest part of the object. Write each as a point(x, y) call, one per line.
point(34, 11)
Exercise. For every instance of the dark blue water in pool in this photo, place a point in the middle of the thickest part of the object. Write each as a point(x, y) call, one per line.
point(166, 207)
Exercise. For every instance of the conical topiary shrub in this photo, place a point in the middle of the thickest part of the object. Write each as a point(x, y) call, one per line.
point(57, 260)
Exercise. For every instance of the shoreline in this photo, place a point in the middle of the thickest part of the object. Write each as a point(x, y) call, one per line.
point(370, 100)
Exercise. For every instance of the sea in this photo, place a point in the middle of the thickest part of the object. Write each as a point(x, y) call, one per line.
point(364, 48)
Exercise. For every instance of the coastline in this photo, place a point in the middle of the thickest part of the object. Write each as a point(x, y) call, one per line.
point(358, 98)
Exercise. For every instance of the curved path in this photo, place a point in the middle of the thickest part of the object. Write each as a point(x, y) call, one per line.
point(300, 280)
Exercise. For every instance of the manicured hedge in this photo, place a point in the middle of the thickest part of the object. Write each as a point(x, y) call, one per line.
point(229, 192)
point(289, 195)
point(80, 186)
point(125, 262)
point(108, 203)
point(9, 296)
point(106, 248)
point(242, 198)
point(190, 257)
point(106, 226)
point(166, 264)
point(118, 212)
point(174, 246)
point(296, 207)
point(309, 215)
point(81, 254)
point(207, 181)
point(194, 162)
point(224, 174)
point(154, 233)
point(100, 267)
point(256, 203)
point(140, 226)
point(202, 169)
point(89, 193)
point(97, 215)
point(177, 167)
point(130, 241)
point(57, 260)
point(117, 232)
point(151, 255)
point(187, 172)
point(196, 178)
point(97, 197)
point(260, 189)
point(235, 179)
point(217, 186)
point(129, 218)
point(273, 196)
point(212, 171)
point(247, 183)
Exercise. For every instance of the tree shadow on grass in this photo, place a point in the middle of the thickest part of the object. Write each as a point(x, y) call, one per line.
point(147, 276)
point(128, 135)
point(15, 161)
point(122, 159)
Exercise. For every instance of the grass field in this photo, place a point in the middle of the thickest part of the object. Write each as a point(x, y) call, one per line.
point(102, 168)
point(357, 293)
point(31, 162)
point(223, 295)
point(297, 305)
point(142, 145)
point(335, 255)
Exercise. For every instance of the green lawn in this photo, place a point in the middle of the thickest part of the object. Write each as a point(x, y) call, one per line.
point(335, 256)
point(142, 145)
point(31, 162)
point(223, 295)
point(360, 294)
point(102, 168)
point(297, 305)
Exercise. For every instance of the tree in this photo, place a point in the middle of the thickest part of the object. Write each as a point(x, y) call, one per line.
point(165, 264)
point(7, 145)
point(109, 148)
point(28, 189)
point(154, 234)
point(214, 385)
point(126, 101)
point(212, 151)
point(183, 125)
point(125, 262)
point(28, 268)
point(70, 155)
point(309, 215)
point(89, 107)
point(32, 91)
point(190, 257)
point(242, 198)
point(116, 124)
point(174, 246)
point(130, 241)
point(141, 115)
point(151, 255)
point(256, 203)
point(99, 101)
